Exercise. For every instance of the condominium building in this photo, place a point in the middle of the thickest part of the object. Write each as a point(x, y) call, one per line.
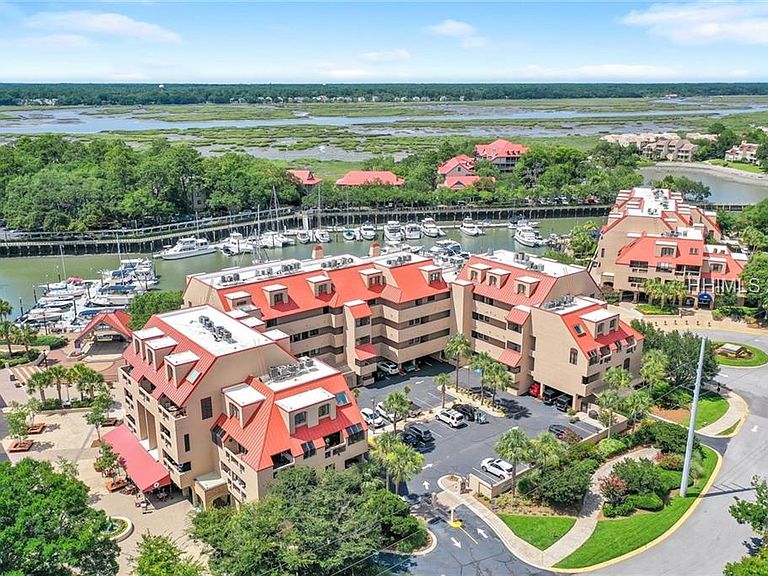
point(504, 304)
point(458, 166)
point(370, 178)
point(345, 310)
point(744, 152)
point(216, 406)
point(502, 153)
point(674, 150)
point(653, 233)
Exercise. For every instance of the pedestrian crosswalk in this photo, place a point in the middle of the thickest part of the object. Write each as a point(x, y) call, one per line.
point(24, 373)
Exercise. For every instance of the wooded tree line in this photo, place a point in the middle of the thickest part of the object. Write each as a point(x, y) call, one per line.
point(728, 137)
point(131, 94)
point(55, 184)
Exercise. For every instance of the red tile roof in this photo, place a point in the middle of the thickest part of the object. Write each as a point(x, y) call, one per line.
point(119, 320)
point(586, 342)
point(510, 358)
point(688, 251)
point(348, 284)
point(500, 149)
point(366, 352)
point(466, 162)
point(459, 182)
point(146, 472)
point(359, 310)
point(267, 434)
point(518, 316)
point(370, 178)
point(304, 177)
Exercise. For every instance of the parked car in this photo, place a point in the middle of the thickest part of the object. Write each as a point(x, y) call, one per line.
point(467, 410)
point(450, 417)
point(421, 432)
point(371, 418)
point(497, 467)
point(549, 395)
point(410, 439)
point(557, 430)
point(388, 367)
point(414, 410)
point(563, 402)
point(381, 411)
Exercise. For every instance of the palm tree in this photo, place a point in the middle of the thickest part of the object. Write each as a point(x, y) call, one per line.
point(5, 308)
point(514, 446)
point(546, 451)
point(652, 288)
point(6, 332)
point(499, 379)
point(676, 290)
point(482, 361)
point(25, 335)
point(654, 367)
point(403, 463)
point(442, 380)
point(385, 444)
point(59, 377)
point(638, 402)
point(38, 382)
point(398, 405)
point(617, 378)
point(87, 380)
point(458, 347)
point(609, 400)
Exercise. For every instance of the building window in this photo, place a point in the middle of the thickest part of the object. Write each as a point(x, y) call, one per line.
point(324, 410)
point(574, 356)
point(521, 288)
point(278, 298)
point(626, 364)
point(206, 408)
point(362, 322)
point(217, 434)
point(492, 281)
point(430, 298)
point(300, 418)
point(355, 433)
point(322, 289)
point(473, 275)
point(342, 399)
point(272, 323)
point(308, 448)
point(613, 324)
point(186, 442)
point(434, 277)
point(600, 328)
point(667, 251)
point(602, 252)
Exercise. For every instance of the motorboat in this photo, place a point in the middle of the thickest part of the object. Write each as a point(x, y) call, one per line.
point(430, 228)
point(527, 236)
point(392, 231)
point(470, 228)
point(349, 234)
point(445, 248)
point(235, 244)
point(186, 248)
point(367, 231)
point(411, 231)
point(522, 223)
point(272, 240)
point(322, 236)
point(303, 237)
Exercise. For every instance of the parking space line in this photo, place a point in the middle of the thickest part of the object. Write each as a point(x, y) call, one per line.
point(437, 434)
point(468, 534)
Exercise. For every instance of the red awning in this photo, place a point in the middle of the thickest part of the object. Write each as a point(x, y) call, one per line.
point(145, 471)
point(366, 352)
point(518, 316)
point(510, 358)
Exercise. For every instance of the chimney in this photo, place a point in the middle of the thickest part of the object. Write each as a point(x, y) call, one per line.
point(317, 252)
point(374, 250)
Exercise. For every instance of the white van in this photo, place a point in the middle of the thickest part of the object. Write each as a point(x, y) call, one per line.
point(451, 417)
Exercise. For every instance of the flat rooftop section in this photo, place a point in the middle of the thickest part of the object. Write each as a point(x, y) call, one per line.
point(549, 267)
point(243, 395)
point(646, 201)
point(574, 305)
point(160, 343)
point(180, 358)
point(305, 399)
point(153, 332)
point(598, 315)
point(317, 371)
point(187, 322)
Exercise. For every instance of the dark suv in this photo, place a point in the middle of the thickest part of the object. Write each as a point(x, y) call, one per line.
point(549, 395)
point(468, 411)
point(421, 432)
point(563, 402)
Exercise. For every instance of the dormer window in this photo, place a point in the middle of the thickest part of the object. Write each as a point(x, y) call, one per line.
point(474, 275)
point(300, 418)
point(323, 288)
point(324, 410)
point(522, 288)
point(493, 281)
point(375, 280)
point(136, 346)
point(613, 324)
point(693, 251)
point(667, 251)
point(169, 372)
point(434, 277)
point(278, 298)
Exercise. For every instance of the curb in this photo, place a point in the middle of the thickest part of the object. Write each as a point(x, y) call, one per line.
point(428, 550)
point(671, 530)
point(739, 424)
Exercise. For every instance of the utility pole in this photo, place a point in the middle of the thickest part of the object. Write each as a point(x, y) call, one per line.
point(692, 422)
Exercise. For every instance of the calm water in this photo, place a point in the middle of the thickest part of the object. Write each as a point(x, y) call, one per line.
point(19, 275)
point(84, 121)
point(723, 190)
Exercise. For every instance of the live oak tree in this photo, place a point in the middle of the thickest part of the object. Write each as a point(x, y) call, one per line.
point(158, 555)
point(46, 525)
point(144, 306)
point(755, 514)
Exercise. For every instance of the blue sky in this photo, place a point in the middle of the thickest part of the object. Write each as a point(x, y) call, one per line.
point(535, 41)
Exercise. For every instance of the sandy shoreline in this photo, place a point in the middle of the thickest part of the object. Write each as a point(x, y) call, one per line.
point(732, 174)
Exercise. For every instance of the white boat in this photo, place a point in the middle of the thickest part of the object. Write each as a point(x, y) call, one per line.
point(303, 237)
point(349, 234)
point(186, 248)
point(430, 228)
point(392, 231)
point(445, 248)
point(470, 228)
point(367, 231)
point(411, 231)
point(272, 240)
point(527, 236)
point(322, 236)
point(522, 223)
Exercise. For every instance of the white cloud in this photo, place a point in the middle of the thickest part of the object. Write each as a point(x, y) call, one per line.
point(395, 55)
point(465, 33)
point(109, 23)
point(626, 72)
point(57, 41)
point(704, 23)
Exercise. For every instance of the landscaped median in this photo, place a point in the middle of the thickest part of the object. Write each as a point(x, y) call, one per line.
point(615, 538)
point(539, 531)
point(744, 356)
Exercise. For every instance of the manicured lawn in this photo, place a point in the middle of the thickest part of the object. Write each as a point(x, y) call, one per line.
point(653, 309)
point(759, 357)
point(614, 538)
point(730, 430)
point(540, 531)
point(737, 165)
point(711, 408)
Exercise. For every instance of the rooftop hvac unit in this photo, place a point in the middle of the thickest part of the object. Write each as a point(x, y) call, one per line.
point(273, 372)
point(390, 262)
point(236, 276)
point(205, 321)
point(309, 362)
point(323, 264)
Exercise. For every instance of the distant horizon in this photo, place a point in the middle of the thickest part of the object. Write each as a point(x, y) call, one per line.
point(372, 83)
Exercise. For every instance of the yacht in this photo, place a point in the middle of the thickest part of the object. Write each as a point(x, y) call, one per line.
point(430, 228)
point(411, 231)
point(367, 231)
point(272, 240)
point(322, 236)
point(303, 237)
point(470, 228)
point(349, 234)
point(527, 236)
point(235, 244)
point(392, 231)
point(186, 248)
point(522, 223)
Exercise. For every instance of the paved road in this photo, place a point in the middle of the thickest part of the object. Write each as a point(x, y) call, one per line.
point(711, 538)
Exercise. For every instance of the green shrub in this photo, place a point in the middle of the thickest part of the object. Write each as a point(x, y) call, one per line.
point(717, 315)
point(665, 436)
point(409, 533)
point(670, 461)
point(583, 451)
point(19, 358)
point(651, 502)
point(528, 484)
point(641, 476)
point(624, 509)
point(51, 340)
point(608, 447)
point(566, 485)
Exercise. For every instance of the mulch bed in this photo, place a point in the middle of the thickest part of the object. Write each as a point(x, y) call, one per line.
point(677, 415)
point(36, 429)
point(21, 446)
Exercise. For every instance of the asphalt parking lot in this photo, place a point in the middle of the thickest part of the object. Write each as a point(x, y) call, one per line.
point(460, 450)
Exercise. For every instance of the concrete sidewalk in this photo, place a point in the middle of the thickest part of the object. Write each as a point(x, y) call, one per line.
point(737, 411)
